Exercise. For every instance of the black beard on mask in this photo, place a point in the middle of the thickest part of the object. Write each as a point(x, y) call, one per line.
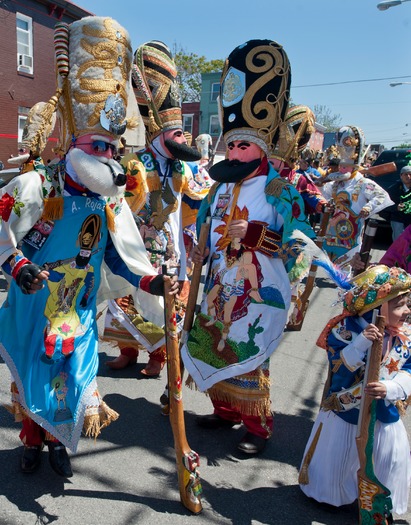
point(232, 170)
point(182, 151)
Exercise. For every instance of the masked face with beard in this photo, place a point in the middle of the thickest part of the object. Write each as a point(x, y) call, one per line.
point(174, 146)
point(244, 158)
point(344, 173)
point(90, 163)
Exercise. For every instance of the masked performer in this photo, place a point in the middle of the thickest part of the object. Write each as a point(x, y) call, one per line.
point(158, 177)
point(253, 212)
point(68, 239)
point(356, 198)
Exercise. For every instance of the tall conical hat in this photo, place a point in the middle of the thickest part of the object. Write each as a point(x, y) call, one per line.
point(254, 93)
point(157, 90)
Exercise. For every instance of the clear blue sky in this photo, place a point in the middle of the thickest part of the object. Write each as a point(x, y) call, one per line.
point(327, 41)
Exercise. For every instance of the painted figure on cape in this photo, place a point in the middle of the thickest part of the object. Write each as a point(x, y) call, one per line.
point(69, 241)
point(157, 179)
point(253, 213)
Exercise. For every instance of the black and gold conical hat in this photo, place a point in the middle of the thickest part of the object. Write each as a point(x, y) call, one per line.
point(254, 93)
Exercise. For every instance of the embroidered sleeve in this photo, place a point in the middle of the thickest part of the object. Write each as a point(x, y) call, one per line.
point(260, 237)
point(21, 205)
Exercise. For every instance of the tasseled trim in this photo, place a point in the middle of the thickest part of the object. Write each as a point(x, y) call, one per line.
point(53, 208)
point(303, 475)
point(153, 127)
point(97, 418)
point(110, 217)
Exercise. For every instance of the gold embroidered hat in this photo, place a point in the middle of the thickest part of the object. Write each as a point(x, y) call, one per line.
point(295, 132)
point(254, 93)
point(93, 66)
point(350, 145)
point(375, 286)
point(158, 94)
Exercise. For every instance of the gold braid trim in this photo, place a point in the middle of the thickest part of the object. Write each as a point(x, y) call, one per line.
point(303, 476)
point(212, 192)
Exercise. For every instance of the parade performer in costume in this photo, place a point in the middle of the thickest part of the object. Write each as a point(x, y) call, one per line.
point(68, 239)
point(296, 133)
point(329, 469)
point(253, 211)
point(158, 177)
point(356, 198)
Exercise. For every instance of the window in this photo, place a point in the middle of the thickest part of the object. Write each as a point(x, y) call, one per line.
point(22, 121)
point(215, 90)
point(214, 125)
point(24, 27)
point(188, 123)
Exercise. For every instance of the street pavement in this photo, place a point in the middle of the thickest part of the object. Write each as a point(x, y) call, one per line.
point(128, 475)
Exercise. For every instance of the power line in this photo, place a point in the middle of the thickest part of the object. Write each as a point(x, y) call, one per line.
point(351, 82)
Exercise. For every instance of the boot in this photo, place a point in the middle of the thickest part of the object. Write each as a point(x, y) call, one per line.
point(59, 459)
point(122, 361)
point(30, 460)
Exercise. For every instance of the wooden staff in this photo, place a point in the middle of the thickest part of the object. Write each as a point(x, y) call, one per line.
point(187, 460)
point(302, 302)
point(381, 169)
point(367, 242)
point(195, 284)
point(373, 498)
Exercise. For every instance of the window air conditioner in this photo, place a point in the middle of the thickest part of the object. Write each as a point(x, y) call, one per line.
point(25, 61)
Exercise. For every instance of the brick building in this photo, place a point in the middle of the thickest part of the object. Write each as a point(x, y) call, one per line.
point(27, 64)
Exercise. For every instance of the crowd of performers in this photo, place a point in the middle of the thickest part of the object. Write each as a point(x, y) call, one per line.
point(122, 228)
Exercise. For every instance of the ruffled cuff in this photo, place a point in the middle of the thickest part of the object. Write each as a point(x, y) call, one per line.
point(353, 354)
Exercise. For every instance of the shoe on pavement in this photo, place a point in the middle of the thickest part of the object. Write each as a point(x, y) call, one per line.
point(122, 361)
point(214, 421)
point(30, 460)
point(59, 460)
point(153, 368)
point(252, 444)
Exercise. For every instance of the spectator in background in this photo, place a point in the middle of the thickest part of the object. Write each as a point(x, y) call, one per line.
point(398, 214)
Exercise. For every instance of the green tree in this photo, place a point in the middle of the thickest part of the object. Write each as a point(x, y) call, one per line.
point(325, 117)
point(189, 67)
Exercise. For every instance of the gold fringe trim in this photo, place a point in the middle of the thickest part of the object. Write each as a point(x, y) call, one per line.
point(257, 405)
point(303, 475)
point(94, 423)
point(53, 208)
point(110, 217)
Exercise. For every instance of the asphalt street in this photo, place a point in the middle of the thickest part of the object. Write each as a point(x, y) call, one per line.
point(128, 475)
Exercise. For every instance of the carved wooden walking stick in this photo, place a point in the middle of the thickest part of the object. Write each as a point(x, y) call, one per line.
point(187, 460)
point(374, 500)
point(302, 301)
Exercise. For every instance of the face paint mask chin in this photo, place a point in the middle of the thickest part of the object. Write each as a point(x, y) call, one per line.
point(182, 151)
point(233, 170)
